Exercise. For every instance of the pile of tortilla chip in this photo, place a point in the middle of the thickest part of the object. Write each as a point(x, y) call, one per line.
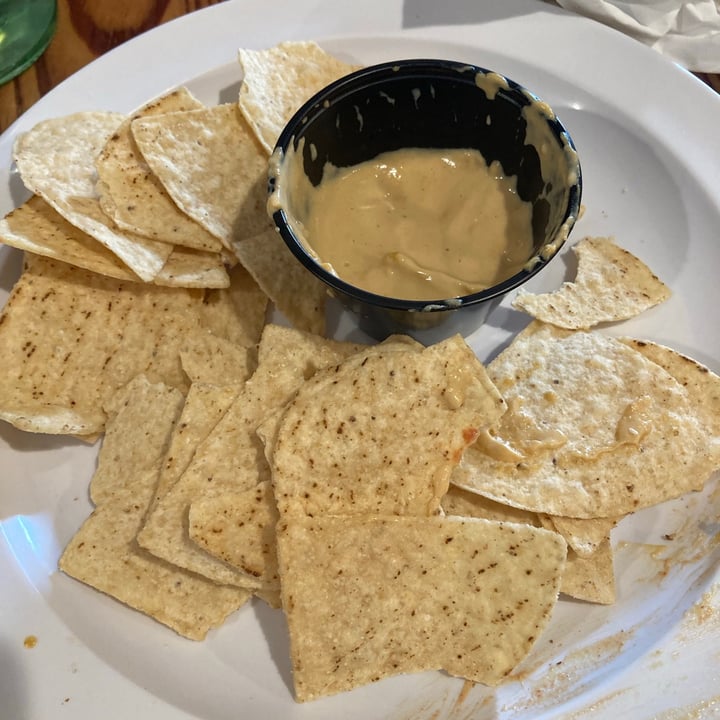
point(597, 427)
point(316, 485)
point(143, 233)
point(405, 506)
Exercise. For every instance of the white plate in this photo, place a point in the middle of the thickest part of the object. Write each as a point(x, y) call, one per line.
point(647, 135)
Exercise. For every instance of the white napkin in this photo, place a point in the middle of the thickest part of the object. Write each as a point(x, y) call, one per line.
point(687, 32)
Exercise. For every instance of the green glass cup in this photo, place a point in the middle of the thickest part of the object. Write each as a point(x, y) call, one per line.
point(26, 27)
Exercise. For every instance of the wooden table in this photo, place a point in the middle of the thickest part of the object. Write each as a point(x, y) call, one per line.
point(88, 28)
point(85, 30)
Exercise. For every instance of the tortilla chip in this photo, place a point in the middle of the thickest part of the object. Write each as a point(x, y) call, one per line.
point(212, 359)
point(269, 597)
point(585, 577)
point(590, 578)
point(267, 430)
point(133, 197)
point(37, 228)
point(593, 429)
point(205, 405)
point(463, 503)
point(370, 597)
point(277, 81)
point(611, 284)
point(103, 553)
point(701, 384)
point(583, 536)
point(381, 433)
point(231, 458)
point(154, 408)
point(296, 292)
point(239, 528)
point(193, 268)
point(247, 299)
point(56, 160)
point(212, 167)
point(70, 338)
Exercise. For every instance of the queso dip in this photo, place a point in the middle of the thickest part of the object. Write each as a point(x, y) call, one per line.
point(415, 223)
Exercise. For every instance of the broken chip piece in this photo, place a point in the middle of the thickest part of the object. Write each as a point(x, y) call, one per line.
point(611, 284)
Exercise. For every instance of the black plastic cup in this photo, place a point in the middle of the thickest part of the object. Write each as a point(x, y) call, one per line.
point(433, 104)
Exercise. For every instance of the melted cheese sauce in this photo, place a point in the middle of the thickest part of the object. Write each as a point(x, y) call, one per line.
point(417, 224)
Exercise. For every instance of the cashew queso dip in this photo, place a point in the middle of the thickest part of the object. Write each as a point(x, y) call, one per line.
point(414, 223)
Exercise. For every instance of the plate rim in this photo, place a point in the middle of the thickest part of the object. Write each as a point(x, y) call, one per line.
point(131, 47)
